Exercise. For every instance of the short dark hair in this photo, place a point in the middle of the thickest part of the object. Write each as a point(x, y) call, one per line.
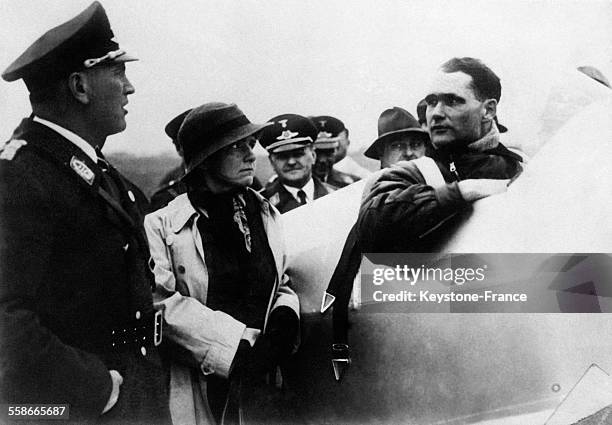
point(485, 83)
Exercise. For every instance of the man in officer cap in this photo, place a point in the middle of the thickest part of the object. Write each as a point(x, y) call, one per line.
point(289, 141)
point(400, 138)
point(78, 323)
point(331, 130)
point(171, 185)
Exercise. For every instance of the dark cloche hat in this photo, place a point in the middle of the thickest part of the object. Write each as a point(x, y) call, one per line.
point(287, 132)
point(211, 127)
point(395, 120)
point(329, 129)
point(173, 126)
point(83, 42)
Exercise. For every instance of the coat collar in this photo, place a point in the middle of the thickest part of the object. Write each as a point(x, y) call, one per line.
point(487, 142)
point(181, 211)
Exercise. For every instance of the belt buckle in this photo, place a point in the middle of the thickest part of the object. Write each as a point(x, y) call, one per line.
point(158, 321)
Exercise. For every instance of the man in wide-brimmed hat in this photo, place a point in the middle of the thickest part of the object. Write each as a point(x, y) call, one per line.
point(78, 326)
point(400, 138)
point(219, 265)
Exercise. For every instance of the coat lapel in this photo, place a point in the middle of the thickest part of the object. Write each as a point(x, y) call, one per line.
point(287, 201)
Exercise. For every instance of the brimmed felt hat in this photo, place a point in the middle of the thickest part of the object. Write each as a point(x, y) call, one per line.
point(83, 42)
point(329, 129)
point(392, 121)
point(211, 127)
point(287, 132)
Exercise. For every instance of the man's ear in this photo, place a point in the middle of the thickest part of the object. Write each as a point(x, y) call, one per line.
point(79, 87)
point(490, 109)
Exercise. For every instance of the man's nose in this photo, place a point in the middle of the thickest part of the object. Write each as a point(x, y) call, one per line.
point(249, 154)
point(408, 155)
point(291, 160)
point(128, 87)
point(438, 111)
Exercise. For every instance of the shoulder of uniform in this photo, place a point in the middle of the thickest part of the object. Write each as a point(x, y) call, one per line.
point(10, 149)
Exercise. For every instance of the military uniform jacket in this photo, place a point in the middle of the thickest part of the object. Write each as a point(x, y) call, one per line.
point(74, 269)
point(338, 179)
point(170, 187)
point(284, 201)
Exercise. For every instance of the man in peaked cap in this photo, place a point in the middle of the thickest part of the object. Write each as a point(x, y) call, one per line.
point(331, 130)
point(400, 138)
point(78, 324)
point(171, 185)
point(289, 142)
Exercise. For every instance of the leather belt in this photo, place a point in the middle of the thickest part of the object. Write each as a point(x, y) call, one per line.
point(144, 332)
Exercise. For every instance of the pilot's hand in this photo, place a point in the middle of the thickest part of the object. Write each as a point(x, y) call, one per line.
point(474, 189)
point(114, 396)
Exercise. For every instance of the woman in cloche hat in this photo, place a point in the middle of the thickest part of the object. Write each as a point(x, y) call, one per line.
point(218, 259)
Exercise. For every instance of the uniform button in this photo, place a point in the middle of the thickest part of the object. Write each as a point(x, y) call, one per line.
point(143, 351)
point(131, 196)
point(169, 240)
point(137, 315)
point(181, 269)
point(126, 246)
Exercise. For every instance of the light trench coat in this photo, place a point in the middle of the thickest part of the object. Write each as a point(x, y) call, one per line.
point(207, 340)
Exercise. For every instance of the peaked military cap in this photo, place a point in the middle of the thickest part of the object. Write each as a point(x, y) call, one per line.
point(173, 126)
point(82, 42)
point(329, 129)
point(287, 132)
point(392, 121)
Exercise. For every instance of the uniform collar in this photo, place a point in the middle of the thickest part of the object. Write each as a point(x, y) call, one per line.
point(72, 137)
point(308, 189)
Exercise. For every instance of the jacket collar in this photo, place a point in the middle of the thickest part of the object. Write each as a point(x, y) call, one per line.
point(70, 136)
point(181, 210)
point(487, 142)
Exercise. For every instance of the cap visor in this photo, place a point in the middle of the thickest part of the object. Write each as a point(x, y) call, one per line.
point(125, 58)
point(289, 147)
point(326, 144)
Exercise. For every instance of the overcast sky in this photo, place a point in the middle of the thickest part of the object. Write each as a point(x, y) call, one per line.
point(350, 59)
